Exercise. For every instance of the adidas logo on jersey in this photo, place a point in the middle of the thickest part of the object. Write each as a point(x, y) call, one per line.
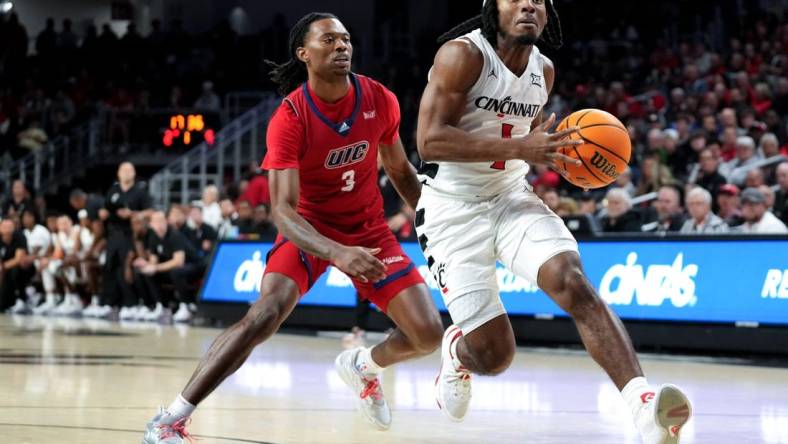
point(506, 106)
point(347, 155)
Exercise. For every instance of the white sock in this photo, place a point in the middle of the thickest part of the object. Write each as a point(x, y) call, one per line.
point(366, 365)
point(180, 408)
point(636, 393)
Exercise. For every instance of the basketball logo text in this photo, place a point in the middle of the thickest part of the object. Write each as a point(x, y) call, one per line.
point(347, 155)
point(604, 165)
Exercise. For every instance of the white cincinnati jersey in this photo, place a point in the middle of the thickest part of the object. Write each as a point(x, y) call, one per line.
point(499, 104)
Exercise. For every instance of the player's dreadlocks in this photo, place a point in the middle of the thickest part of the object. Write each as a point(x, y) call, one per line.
point(292, 73)
point(488, 22)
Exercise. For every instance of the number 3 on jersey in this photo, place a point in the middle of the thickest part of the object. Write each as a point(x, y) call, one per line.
point(350, 180)
point(506, 133)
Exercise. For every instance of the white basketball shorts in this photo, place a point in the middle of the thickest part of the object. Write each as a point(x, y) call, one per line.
point(462, 240)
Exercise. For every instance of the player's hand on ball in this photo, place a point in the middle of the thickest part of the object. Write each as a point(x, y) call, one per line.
point(540, 147)
point(360, 263)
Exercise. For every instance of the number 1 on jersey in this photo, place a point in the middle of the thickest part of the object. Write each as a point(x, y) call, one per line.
point(506, 133)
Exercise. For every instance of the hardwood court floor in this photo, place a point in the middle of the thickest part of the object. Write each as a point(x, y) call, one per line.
point(70, 381)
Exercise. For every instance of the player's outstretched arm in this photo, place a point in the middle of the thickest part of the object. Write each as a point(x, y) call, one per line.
point(401, 172)
point(456, 69)
point(357, 262)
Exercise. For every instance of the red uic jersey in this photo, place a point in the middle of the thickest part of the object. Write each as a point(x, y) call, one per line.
point(334, 146)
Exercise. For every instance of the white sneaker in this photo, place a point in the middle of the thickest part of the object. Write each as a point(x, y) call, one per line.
point(107, 312)
point(183, 314)
point(142, 312)
point(662, 415)
point(370, 395)
point(163, 430)
point(127, 313)
point(453, 385)
point(153, 315)
point(47, 307)
point(160, 314)
point(92, 311)
point(20, 308)
point(74, 307)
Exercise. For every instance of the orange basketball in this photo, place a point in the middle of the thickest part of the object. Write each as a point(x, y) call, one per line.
point(605, 153)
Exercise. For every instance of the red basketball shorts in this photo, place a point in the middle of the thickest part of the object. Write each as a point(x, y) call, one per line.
point(286, 259)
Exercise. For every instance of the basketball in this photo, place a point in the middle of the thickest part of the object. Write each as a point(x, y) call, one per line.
point(605, 153)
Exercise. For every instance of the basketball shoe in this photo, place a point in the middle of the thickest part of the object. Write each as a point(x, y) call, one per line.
point(453, 384)
point(370, 395)
point(163, 430)
point(662, 414)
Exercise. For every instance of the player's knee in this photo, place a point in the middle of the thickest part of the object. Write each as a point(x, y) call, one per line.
point(261, 323)
point(428, 336)
point(495, 361)
point(493, 357)
point(265, 317)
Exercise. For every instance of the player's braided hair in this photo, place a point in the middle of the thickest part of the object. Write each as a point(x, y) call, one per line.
point(488, 22)
point(293, 72)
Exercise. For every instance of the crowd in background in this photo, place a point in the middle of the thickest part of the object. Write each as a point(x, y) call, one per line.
point(115, 256)
point(708, 119)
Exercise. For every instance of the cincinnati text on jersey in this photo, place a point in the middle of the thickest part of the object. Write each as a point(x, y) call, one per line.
point(506, 106)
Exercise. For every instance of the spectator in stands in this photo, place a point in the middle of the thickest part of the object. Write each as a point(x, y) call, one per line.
point(670, 215)
point(91, 246)
point(768, 195)
point(18, 201)
point(211, 211)
point(709, 176)
point(208, 100)
point(757, 218)
point(729, 204)
point(588, 204)
point(91, 203)
point(176, 218)
point(745, 156)
point(46, 42)
point(624, 181)
point(728, 143)
point(620, 217)
point(205, 235)
point(653, 175)
point(264, 226)
point(551, 198)
point(245, 221)
point(769, 148)
point(567, 207)
point(257, 191)
point(63, 265)
point(171, 260)
point(702, 220)
point(227, 227)
point(781, 198)
point(150, 309)
point(38, 242)
point(13, 279)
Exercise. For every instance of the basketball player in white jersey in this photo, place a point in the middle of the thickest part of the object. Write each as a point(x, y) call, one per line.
point(480, 126)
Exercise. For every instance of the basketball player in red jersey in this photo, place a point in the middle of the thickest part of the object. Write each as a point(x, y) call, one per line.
point(322, 156)
point(480, 128)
